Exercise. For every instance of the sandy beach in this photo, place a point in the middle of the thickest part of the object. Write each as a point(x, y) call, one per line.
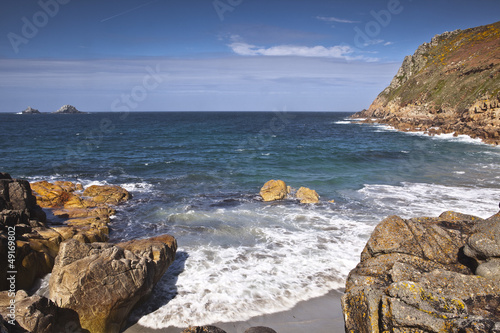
point(319, 315)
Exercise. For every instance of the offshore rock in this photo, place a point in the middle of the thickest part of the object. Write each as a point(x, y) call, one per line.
point(415, 276)
point(30, 110)
point(274, 190)
point(68, 109)
point(449, 85)
point(307, 196)
point(103, 282)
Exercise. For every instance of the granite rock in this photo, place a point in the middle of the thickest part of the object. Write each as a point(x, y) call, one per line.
point(307, 196)
point(415, 276)
point(274, 190)
point(103, 282)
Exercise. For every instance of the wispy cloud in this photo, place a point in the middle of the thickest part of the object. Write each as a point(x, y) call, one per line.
point(245, 49)
point(371, 42)
point(335, 19)
point(344, 52)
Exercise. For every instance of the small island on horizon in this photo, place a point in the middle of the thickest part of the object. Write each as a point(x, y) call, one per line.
point(65, 109)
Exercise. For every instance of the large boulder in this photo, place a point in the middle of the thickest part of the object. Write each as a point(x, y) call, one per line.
point(415, 276)
point(16, 195)
point(19, 216)
point(274, 190)
point(307, 196)
point(103, 282)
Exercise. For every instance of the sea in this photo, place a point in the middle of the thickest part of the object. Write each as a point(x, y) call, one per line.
point(197, 176)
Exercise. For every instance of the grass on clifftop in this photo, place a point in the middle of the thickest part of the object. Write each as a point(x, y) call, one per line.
point(457, 70)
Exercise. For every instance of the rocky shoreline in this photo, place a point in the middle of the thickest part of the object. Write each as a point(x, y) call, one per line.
point(94, 284)
point(450, 85)
point(428, 274)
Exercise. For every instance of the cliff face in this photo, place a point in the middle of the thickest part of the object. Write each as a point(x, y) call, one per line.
point(450, 85)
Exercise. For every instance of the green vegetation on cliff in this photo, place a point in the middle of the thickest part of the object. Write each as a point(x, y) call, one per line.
point(451, 83)
point(454, 70)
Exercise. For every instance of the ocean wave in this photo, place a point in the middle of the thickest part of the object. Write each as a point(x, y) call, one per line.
point(286, 254)
point(142, 187)
point(419, 199)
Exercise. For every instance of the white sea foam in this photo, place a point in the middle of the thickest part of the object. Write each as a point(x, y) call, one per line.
point(445, 136)
point(304, 254)
point(257, 259)
point(412, 200)
point(343, 122)
point(383, 128)
point(459, 138)
point(137, 187)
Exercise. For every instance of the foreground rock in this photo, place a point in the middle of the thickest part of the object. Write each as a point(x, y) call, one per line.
point(103, 282)
point(19, 218)
point(87, 210)
point(37, 314)
point(420, 275)
point(23, 223)
point(449, 85)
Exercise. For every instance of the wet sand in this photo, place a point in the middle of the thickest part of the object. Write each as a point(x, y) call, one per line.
point(318, 315)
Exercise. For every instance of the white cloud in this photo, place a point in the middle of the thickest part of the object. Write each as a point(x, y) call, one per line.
point(338, 51)
point(335, 19)
point(388, 43)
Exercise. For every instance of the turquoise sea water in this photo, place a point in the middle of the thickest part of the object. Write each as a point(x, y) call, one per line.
point(197, 176)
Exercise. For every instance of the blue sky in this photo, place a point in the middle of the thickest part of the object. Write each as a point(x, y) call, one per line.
point(195, 55)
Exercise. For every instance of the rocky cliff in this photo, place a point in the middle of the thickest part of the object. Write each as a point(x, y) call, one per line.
point(450, 85)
